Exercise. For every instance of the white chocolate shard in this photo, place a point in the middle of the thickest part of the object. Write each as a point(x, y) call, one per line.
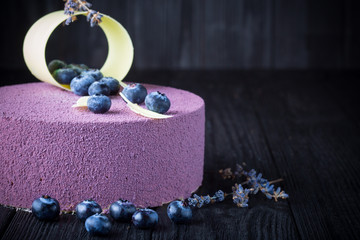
point(120, 49)
point(81, 102)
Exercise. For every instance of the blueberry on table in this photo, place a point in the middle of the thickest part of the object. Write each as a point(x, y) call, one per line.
point(99, 103)
point(87, 208)
point(95, 73)
point(64, 75)
point(135, 92)
point(98, 224)
point(122, 210)
point(79, 68)
point(145, 218)
point(55, 64)
point(179, 212)
point(45, 208)
point(80, 84)
point(157, 102)
point(99, 88)
point(112, 83)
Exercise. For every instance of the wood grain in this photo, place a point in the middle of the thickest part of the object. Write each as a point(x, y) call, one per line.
point(314, 147)
point(6, 214)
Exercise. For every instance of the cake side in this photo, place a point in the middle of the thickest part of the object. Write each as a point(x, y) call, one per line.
point(143, 160)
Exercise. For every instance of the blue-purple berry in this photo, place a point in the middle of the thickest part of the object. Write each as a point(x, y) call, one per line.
point(99, 88)
point(98, 224)
point(45, 208)
point(64, 75)
point(157, 102)
point(87, 208)
point(95, 73)
point(56, 64)
point(80, 84)
point(79, 68)
point(99, 103)
point(112, 83)
point(145, 218)
point(122, 210)
point(179, 212)
point(135, 92)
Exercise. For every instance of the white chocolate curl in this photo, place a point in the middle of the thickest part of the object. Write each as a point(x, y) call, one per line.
point(120, 48)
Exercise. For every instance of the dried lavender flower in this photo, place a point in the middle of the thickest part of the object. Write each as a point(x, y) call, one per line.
point(72, 6)
point(219, 196)
point(240, 194)
point(200, 201)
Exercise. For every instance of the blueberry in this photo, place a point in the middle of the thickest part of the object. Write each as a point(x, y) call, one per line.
point(157, 102)
point(135, 92)
point(95, 73)
point(79, 68)
point(145, 218)
point(87, 208)
point(83, 66)
point(64, 75)
point(99, 103)
point(56, 64)
point(122, 210)
point(112, 83)
point(98, 224)
point(99, 88)
point(80, 84)
point(45, 208)
point(179, 212)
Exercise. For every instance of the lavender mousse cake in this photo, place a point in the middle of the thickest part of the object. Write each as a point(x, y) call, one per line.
point(72, 154)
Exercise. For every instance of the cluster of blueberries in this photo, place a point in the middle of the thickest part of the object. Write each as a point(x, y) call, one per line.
point(84, 81)
point(47, 209)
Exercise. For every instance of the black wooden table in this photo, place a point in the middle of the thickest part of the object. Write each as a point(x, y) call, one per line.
point(301, 126)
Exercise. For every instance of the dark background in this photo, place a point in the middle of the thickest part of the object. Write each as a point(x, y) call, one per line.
point(201, 34)
point(286, 104)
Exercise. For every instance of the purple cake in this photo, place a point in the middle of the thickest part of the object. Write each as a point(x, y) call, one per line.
point(72, 154)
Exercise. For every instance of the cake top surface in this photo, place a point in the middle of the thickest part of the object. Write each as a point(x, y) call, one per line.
point(44, 102)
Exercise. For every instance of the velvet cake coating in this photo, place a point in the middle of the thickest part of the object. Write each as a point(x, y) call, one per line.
point(72, 154)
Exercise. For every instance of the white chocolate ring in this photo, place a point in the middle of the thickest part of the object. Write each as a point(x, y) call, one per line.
point(120, 48)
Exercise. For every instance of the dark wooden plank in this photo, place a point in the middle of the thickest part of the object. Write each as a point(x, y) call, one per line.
point(237, 34)
point(351, 35)
point(25, 226)
point(326, 37)
point(149, 32)
point(189, 43)
point(290, 34)
point(340, 87)
point(315, 146)
point(6, 214)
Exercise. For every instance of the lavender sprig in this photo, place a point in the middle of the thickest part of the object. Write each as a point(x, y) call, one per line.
point(240, 194)
point(228, 174)
point(200, 201)
point(258, 183)
point(72, 6)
